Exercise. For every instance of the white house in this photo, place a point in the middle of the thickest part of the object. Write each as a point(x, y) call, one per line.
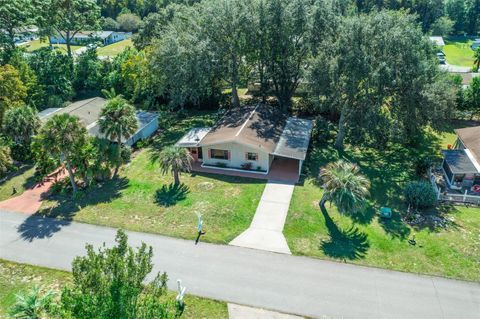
point(85, 37)
point(251, 138)
point(88, 111)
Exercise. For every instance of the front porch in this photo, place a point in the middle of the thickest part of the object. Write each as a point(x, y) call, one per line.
point(281, 169)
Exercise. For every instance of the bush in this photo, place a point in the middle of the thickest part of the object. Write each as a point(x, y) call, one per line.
point(420, 194)
point(247, 166)
point(322, 129)
point(422, 164)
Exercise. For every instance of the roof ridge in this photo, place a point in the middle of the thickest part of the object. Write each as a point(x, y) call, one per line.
point(246, 121)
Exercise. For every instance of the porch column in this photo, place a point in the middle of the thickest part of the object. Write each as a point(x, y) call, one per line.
point(300, 163)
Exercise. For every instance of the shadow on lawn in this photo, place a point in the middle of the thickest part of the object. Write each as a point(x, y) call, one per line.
point(395, 226)
point(169, 195)
point(48, 221)
point(348, 244)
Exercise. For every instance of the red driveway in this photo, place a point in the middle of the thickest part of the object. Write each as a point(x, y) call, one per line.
point(30, 201)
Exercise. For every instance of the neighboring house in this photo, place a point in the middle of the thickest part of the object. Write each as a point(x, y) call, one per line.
point(437, 41)
point(461, 165)
point(25, 34)
point(475, 44)
point(88, 111)
point(251, 138)
point(86, 37)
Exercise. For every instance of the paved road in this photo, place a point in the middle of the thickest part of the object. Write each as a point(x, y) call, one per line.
point(285, 283)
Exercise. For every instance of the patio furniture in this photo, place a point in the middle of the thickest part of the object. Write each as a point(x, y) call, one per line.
point(385, 212)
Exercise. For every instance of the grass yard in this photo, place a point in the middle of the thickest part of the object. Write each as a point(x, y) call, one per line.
point(458, 51)
point(38, 44)
point(21, 179)
point(368, 240)
point(115, 48)
point(16, 278)
point(143, 199)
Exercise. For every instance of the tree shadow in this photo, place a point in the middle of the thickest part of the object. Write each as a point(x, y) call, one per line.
point(395, 226)
point(49, 221)
point(169, 195)
point(348, 244)
point(364, 216)
point(39, 226)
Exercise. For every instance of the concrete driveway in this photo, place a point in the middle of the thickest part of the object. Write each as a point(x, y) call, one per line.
point(284, 283)
point(266, 230)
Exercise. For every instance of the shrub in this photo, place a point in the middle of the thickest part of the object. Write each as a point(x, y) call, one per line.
point(420, 194)
point(221, 164)
point(422, 164)
point(246, 166)
point(322, 129)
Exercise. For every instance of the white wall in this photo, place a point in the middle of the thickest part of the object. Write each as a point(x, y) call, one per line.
point(237, 156)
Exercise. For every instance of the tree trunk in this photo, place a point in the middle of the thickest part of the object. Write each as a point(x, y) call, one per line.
point(324, 199)
point(119, 156)
point(67, 42)
point(176, 177)
point(235, 98)
point(341, 132)
point(70, 174)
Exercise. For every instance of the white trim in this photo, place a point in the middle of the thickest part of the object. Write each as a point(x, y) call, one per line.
point(473, 159)
point(234, 169)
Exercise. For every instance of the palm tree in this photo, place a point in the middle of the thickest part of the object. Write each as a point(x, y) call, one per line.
point(63, 135)
point(5, 159)
point(175, 159)
point(118, 121)
point(31, 305)
point(476, 62)
point(344, 185)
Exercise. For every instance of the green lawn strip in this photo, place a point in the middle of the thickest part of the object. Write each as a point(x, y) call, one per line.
point(368, 240)
point(115, 48)
point(16, 278)
point(136, 201)
point(38, 44)
point(22, 178)
point(459, 52)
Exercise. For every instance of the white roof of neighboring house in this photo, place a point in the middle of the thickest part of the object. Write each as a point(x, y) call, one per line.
point(438, 41)
point(193, 137)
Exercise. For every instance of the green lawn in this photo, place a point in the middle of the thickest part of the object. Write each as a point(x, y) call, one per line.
point(115, 48)
point(145, 200)
point(37, 44)
point(458, 51)
point(21, 179)
point(368, 240)
point(16, 278)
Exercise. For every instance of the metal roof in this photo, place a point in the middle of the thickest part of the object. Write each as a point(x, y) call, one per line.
point(143, 119)
point(193, 137)
point(461, 162)
point(43, 114)
point(295, 138)
point(438, 41)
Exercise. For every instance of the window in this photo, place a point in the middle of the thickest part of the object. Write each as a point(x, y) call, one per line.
point(219, 154)
point(251, 156)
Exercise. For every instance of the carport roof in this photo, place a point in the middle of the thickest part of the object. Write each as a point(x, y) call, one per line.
point(461, 161)
point(193, 137)
point(295, 138)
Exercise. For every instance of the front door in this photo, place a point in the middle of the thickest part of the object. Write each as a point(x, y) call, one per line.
point(193, 153)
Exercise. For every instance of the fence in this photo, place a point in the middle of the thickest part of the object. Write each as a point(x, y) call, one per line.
point(450, 197)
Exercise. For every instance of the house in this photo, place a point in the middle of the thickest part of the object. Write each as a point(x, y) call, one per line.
point(461, 164)
point(256, 139)
point(88, 111)
point(86, 37)
point(475, 44)
point(437, 41)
